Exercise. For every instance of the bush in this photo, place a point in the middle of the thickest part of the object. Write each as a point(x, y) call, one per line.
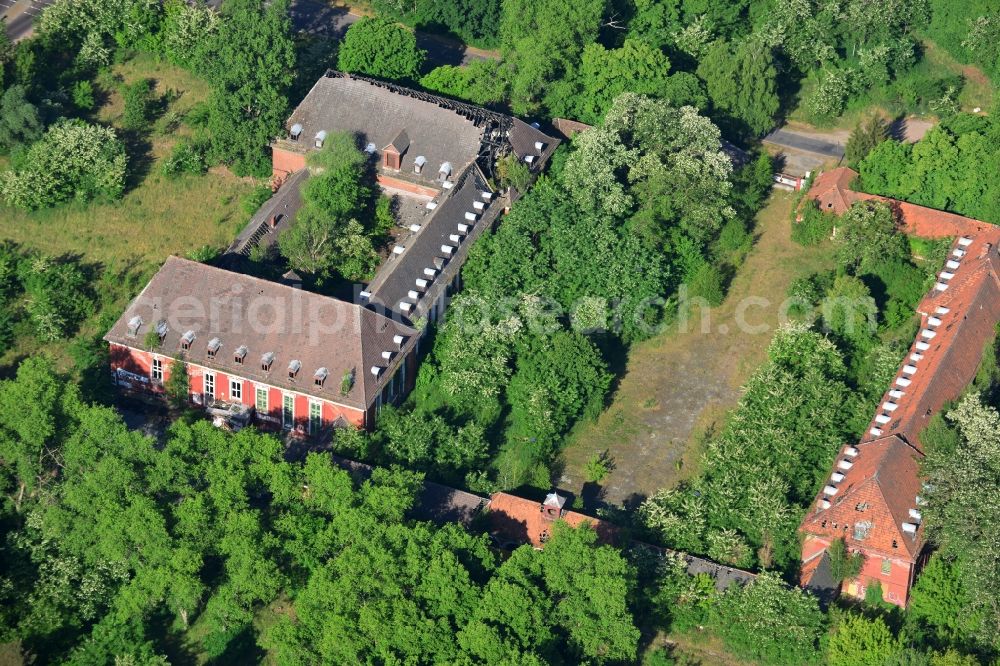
point(186, 157)
point(814, 227)
point(83, 95)
point(138, 100)
point(72, 160)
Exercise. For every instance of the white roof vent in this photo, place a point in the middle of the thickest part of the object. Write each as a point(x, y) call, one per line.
point(836, 477)
point(941, 286)
point(431, 205)
point(965, 241)
point(455, 238)
point(133, 325)
point(530, 159)
point(479, 205)
point(399, 249)
point(422, 283)
point(910, 369)
point(320, 138)
point(845, 464)
point(922, 346)
point(296, 131)
point(464, 228)
point(952, 264)
point(876, 432)
point(851, 451)
point(447, 184)
point(486, 196)
point(830, 490)
point(430, 272)
point(376, 370)
point(824, 504)
point(896, 393)
point(414, 294)
point(398, 340)
point(405, 307)
point(447, 249)
point(916, 357)
point(910, 528)
point(371, 149)
point(927, 333)
point(946, 275)
point(539, 146)
point(958, 253)
point(471, 217)
point(941, 310)
point(902, 381)
point(890, 406)
point(883, 419)
point(933, 321)
point(387, 355)
point(915, 514)
point(414, 227)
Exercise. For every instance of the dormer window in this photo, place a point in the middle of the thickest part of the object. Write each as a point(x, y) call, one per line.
point(161, 329)
point(266, 360)
point(240, 354)
point(861, 530)
point(296, 131)
point(320, 376)
point(293, 368)
point(134, 324)
point(320, 138)
point(214, 345)
point(186, 340)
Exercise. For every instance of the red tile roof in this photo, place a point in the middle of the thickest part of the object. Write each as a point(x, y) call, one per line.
point(873, 486)
point(873, 499)
point(522, 520)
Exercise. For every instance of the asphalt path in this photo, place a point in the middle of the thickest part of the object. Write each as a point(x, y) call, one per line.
point(791, 139)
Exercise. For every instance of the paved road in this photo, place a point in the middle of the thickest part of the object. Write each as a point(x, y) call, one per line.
point(19, 16)
point(799, 141)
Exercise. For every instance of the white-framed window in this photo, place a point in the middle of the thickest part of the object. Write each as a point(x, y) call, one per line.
point(156, 372)
point(236, 389)
point(287, 410)
point(315, 417)
point(261, 399)
point(210, 384)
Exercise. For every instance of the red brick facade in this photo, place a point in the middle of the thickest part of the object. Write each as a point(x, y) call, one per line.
point(132, 370)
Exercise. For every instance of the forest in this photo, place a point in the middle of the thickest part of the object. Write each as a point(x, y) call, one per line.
point(210, 547)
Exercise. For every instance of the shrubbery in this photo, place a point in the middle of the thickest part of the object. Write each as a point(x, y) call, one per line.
point(73, 161)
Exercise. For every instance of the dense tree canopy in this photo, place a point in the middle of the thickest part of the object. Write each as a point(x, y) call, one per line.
point(249, 64)
point(382, 48)
point(949, 169)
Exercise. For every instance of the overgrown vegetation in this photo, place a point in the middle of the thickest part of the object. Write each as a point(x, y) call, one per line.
point(949, 169)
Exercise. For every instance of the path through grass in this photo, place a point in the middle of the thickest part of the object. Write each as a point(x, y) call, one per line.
point(680, 385)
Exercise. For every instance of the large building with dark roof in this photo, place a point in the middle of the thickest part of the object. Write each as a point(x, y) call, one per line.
point(871, 498)
point(332, 361)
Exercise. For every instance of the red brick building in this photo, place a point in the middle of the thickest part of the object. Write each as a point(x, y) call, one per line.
point(277, 355)
point(872, 497)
